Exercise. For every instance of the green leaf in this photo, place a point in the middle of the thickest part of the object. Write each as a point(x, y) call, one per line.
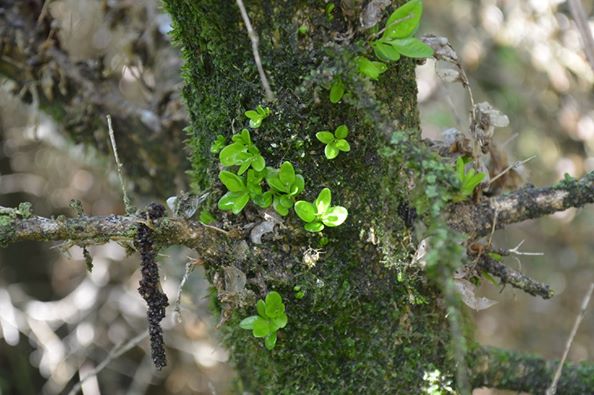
point(285, 201)
point(341, 132)
point(261, 308)
point(460, 168)
point(322, 203)
point(264, 200)
point(274, 305)
point(279, 208)
point(404, 21)
point(305, 210)
point(255, 123)
point(331, 151)
point(286, 173)
point(240, 203)
point(206, 217)
point(279, 322)
point(325, 137)
point(259, 163)
point(218, 144)
point(342, 145)
point(232, 181)
point(261, 327)
point(243, 137)
point(335, 216)
point(314, 226)
point(248, 323)
point(336, 91)
point(270, 341)
point(384, 51)
point(251, 114)
point(370, 68)
point(299, 184)
point(228, 155)
point(412, 47)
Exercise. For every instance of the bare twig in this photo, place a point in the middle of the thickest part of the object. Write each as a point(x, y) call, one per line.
point(581, 20)
point(116, 352)
point(514, 165)
point(516, 251)
point(127, 203)
point(552, 390)
point(177, 309)
point(254, 39)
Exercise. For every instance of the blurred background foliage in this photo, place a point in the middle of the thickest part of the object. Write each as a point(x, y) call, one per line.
point(58, 322)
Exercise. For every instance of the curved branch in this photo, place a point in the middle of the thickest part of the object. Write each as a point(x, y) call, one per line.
point(520, 205)
point(496, 368)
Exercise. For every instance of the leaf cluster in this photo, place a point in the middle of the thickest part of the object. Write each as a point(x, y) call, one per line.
point(256, 117)
point(320, 213)
point(469, 180)
point(335, 142)
point(271, 317)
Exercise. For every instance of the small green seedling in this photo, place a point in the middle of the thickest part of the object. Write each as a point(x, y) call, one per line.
point(318, 214)
point(218, 144)
point(241, 190)
point(397, 38)
point(336, 91)
point(243, 153)
point(299, 292)
point(285, 185)
point(334, 142)
point(370, 68)
point(468, 180)
point(271, 317)
point(256, 117)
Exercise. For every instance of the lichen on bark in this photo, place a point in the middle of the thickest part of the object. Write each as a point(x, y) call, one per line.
point(369, 320)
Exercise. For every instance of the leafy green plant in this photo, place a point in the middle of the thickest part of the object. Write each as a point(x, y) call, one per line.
point(271, 317)
point(335, 142)
point(397, 38)
point(241, 190)
point(285, 185)
point(370, 68)
point(320, 213)
point(336, 91)
point(218, 144)
point(469, 180)
point(256, 117)
point(243, 153)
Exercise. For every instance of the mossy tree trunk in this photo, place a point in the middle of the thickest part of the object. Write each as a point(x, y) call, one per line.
point(370, 321)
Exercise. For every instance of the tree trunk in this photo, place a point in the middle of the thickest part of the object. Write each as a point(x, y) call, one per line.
point(369, 321)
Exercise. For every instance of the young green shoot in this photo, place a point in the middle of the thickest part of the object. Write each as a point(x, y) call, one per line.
point(335, 142)
point(271, 317)
point(320, 213)
point(469, 180)
point(256, 117)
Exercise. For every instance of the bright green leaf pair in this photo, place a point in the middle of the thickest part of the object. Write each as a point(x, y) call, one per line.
point(271, 317)
point(256, 117)
point(320, 213)
point(241, 190)
point(285, 185)
point(334, 142)
point(243, 153)
point(469, 180)
point(390, 50)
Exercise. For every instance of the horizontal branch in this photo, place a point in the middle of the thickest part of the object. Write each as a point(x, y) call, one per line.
point(514, 278)
point(520, 205)
point(97, 230)
point(496, 368)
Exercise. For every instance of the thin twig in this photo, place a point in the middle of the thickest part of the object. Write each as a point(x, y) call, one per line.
point(254, 39)
point(514, 165)
point(552, 390)
point(177, 309)
point(516, 248)
point(581, 20)
point(127, 203)
point(116, 352)
point(494, 226)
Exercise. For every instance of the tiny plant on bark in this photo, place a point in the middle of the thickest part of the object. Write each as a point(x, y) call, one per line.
point(319, 214)
point(271, 317)
point(335, 142)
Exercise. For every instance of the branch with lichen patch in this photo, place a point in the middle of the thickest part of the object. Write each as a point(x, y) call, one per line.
point(527, 203)
point(496, 368)
point(514, 278)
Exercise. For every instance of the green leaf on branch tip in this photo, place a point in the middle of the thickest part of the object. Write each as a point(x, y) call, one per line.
point(336, 91)
point(325, 137)
point(341, 132)
point(335, 216)
point(270, 341)
point(261, 327)
point(322, 203)
point(412, 47)
point(248, 323)
point(305, 210)
point(404, 21)
point(314, 226)
point(232, 181)
point(371, 69)
point(274, 305)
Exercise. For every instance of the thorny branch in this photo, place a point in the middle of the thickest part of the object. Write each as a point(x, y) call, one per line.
point(523, 204)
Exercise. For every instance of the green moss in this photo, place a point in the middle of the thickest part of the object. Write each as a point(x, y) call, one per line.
point(6, 229)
